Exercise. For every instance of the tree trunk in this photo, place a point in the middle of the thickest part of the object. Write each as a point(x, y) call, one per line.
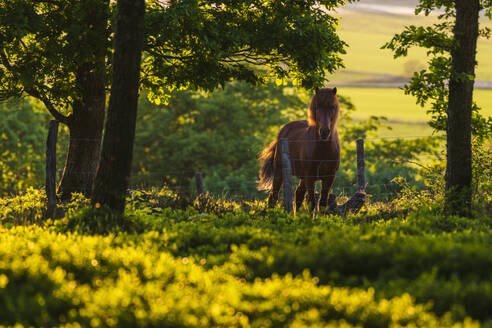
point(459, 151)
point(86, 122)
point(116, 157)
point(85, 127)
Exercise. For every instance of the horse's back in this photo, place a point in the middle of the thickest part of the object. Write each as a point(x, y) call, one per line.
point(294, 129)
point(298, 133)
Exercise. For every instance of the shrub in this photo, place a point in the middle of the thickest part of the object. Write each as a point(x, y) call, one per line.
point(52, 279)
point(240, 250)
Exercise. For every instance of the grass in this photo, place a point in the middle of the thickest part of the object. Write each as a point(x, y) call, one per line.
point(391, 103)
point(368, 65)
point(367, 32)
point(218, 263)
point(405, 130)
point(403, 114)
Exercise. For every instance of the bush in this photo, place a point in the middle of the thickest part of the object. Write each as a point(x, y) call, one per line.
point(99, 220)
point(26, 208)
point(53, 279)
point(216, 256)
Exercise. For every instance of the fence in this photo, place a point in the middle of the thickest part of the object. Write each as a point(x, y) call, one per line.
point(287, 171)
point(361, 183)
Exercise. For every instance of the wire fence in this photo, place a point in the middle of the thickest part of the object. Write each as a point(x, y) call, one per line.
point(185, 181)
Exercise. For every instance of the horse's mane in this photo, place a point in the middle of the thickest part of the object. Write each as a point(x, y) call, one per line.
point(325, 98)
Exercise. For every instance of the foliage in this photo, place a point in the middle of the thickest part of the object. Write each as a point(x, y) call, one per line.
point(204, 44)
point(44, 44)
point(220, 134)
point(240, 264)
point(22, 136)
point(29, 207)
point(99, 220)
point(482, 171)
point(200, 44)
point(24, 208)
point(431, 84)
point(51, 279)
point(385, 159)
point(433, 177)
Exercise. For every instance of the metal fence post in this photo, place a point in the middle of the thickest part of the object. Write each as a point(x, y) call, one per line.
point(286, 174)
point(361, 165)
point(51, 168)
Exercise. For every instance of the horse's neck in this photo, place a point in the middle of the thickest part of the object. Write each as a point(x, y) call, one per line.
point(317, 148)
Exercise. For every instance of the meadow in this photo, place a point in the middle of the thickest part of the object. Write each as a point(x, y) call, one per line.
point(366, 32)
point(213, 262)
point(404, 116)
point(372, 77)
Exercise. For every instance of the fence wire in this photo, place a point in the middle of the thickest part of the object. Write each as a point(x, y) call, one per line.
point(137, 180)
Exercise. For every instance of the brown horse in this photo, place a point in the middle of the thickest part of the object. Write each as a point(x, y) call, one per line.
point(314, 149)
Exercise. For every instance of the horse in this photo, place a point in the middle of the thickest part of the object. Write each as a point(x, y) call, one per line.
point(314, 148)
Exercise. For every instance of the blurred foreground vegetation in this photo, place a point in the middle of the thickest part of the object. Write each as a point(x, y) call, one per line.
point(207, 262)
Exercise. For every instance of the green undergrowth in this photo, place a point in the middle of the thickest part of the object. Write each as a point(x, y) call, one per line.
point(210, 262)
point(49, 279)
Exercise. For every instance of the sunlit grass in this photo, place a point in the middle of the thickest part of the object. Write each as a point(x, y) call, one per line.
point(397, 106)
point(367, 64)
point(367, 32)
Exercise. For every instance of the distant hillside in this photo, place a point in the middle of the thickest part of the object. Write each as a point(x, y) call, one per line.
point(372, 75)
point(368, 24)
point(406, 3)
point(385, 7)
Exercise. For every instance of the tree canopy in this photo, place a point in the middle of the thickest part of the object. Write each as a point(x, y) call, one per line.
point(59, 51)
point(197, 44)
point(203, 44)
point(43, 45)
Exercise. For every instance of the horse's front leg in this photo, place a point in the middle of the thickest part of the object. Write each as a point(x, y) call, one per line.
point(311, 197)
point(300, 194)
point(277, 183)
point(326, 185)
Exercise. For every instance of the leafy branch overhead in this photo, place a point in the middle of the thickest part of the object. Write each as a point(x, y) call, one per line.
point(197, 44)
point(60, 52)
point(43, 45)
point(203, 44)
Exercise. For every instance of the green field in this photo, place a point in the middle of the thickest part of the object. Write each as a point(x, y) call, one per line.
point(219, 263)
point(397, 106)
point(404, 116)
point(365, 38)
point(372, 76)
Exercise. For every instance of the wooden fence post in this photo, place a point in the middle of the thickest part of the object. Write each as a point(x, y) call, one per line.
point(361, 165)
point(51, 168)
point(199, 183)
point(287, 174)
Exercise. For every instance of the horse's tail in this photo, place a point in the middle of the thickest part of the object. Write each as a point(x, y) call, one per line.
point(266, 170)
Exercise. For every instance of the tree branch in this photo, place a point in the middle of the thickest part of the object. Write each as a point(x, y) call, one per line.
point(35, 93)
point(48, 104)
point(5, 60)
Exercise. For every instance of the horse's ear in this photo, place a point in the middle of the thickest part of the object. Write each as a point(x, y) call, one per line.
point(335, 90)
point(316, 92)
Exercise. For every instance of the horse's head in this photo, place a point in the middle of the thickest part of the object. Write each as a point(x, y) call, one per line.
point(324, 112)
